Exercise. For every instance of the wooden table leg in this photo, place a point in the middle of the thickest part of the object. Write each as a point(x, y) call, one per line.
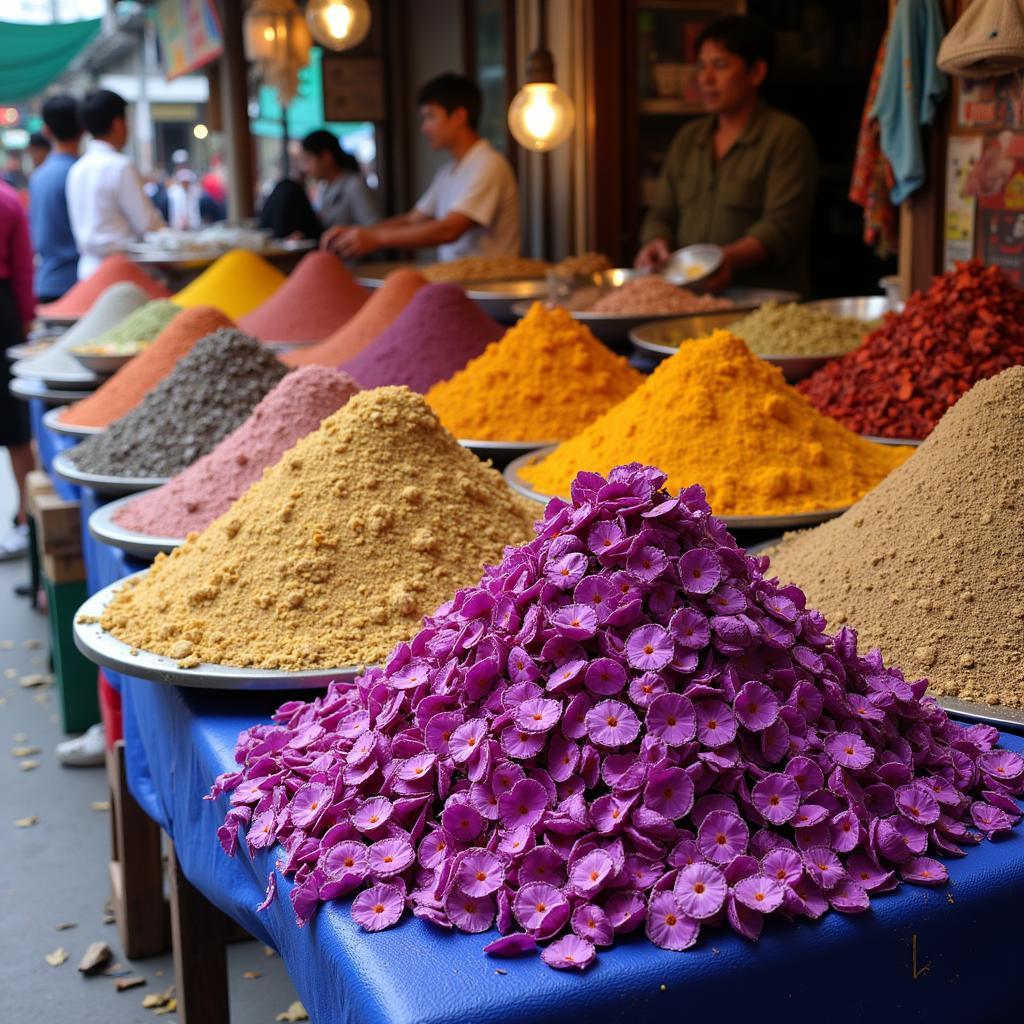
point(199, 938)
point(136, 867)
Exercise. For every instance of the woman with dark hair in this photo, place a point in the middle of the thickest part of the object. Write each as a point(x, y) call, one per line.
point(344, 198)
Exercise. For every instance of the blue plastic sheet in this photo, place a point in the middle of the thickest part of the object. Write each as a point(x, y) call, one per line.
point(842, 969)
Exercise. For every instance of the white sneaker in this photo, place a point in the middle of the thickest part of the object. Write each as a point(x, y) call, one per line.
point(14, 543)
point(85, 751)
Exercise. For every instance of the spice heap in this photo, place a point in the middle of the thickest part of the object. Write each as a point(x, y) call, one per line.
point(236, 284)
point(116, 302)
point(79, 298)
point(544, 380)
point(967, 326)
point(318, 297)
point(652, 294)
point(622, 726)
point(192, 500)
point(790, 329)
point(336, 553)
point(123, 392)
point(436, 335)
point(134, 332)
point(717, 414)
point(928, 566)
point(583, 265)
point(210, 392)
point(486, 268)
point(378, 313)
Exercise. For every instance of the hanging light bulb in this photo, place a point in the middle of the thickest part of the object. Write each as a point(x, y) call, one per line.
point(541, 115)
point(339, 24)
point(275, 32)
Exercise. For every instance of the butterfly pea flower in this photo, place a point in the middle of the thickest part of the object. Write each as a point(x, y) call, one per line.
point(536, 904)
point(721, 836)
point(605, 676)
point(648, 563)
point(514, 944)
point(701, 889)
point(542, 864)
point(378, 907)
point(849, 897)
point(462, 822)
point(776, 797)
point(1001, 764)
point(610, 723)
point(373, 814)
point(473, 914)
point(759, 892)
point(668, 926)
point(988, 819)
point(626, 910)
point(590, 922)
point(756, 706)
point(716, 723)
point(849, 750)
point(566, 571)
point(917, 803)
point(569, 953)
point(924, 871)
point(389, 857)
point(523, 805)
point(538, 715)
point(588, 875)
point(575, 622)
point(669, 792)
point(521, 745)
point(672, 718)
point(699, 571)
point(649, 648)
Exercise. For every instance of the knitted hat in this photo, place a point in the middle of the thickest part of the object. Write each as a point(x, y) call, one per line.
point(988, 40)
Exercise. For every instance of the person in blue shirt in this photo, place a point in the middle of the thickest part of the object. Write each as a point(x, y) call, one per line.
point(57, 269)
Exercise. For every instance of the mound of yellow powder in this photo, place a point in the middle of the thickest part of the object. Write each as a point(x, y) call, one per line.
point(716, 415)
point(544, 380)
point(235, 284)
point(336, 553)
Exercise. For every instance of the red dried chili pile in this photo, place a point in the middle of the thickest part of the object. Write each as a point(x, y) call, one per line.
point(967, 326)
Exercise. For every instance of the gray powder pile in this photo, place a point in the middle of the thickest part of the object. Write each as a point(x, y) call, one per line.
point(929, 565)
point(211, 391)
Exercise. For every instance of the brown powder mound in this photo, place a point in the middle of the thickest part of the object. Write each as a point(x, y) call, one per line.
point(336, 553)
point(78, 300)
point(127, 388)
point(319, 296)
point(928, 565)
point(379, 312)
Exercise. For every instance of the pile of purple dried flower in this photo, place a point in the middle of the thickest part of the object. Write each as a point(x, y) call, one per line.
point(623, 725)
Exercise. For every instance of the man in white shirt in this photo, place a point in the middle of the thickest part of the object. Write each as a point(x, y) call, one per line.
point(106, 203)
point(471, 208)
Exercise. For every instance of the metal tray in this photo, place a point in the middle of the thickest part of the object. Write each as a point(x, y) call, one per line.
point(67, 470)
point(372, 275)
point(26, 387)
point(79, 379)
point(505, 450)
point(500, 299)
point(51, 420)
point(663, 338)
point(857, 307)
point(65, 320)
point(103, 649)
point(892, 440)
point(791, 521)
point(991, 714)
point(103, 365)
point(104, 527)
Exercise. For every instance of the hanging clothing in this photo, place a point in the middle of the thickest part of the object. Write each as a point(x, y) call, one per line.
point(872, 180)
point(910, 90)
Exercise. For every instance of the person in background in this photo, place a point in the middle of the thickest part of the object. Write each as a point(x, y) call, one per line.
point(183, 194)
point(17, 309)
point(38, 149)
point(743, 177)
point(106, 201)
point(156, 192)
point(52, 237)
point(471, 208)
point(343, 197)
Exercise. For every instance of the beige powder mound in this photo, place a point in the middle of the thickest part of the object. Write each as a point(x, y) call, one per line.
point(336, 553)
point(928, 566)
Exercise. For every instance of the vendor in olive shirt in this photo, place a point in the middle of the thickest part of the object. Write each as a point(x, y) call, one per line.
point(742, 178)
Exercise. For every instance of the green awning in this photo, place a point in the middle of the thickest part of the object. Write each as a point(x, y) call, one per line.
point(32, 56)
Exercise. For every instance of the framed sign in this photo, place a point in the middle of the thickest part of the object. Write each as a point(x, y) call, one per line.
point(190, 35)
point(353, 88)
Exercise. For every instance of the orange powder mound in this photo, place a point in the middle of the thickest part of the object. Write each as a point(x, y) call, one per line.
point(235, 284)
point(123, 392)
point(379, 312)
point(78, 300)
point(319, 296)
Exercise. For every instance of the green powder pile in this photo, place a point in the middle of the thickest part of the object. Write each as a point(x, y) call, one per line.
point(134, 332)
point(794, 330)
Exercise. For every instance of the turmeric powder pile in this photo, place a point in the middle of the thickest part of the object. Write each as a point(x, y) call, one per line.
point(335, 554)
point(716, 415)
point(544, 380)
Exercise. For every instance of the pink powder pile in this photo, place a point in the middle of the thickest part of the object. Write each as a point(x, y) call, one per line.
point(192, 500)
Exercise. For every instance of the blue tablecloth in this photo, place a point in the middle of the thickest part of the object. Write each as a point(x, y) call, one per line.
point(49, 443)
point(842, 969)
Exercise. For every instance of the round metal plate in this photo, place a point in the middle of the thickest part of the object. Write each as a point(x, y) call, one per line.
point(857, 307)
point(992, 714)
point(106, 650)
point(51, 420)
point(790, 521)
point(23, 387)
point(500, 299)
point(372, 275)
point(102, 365)
point(67, 470)
point(693, 264)
point(892, 440)
point(504, 449)
point(79, 379)
point(104, 527)
point(62, 320)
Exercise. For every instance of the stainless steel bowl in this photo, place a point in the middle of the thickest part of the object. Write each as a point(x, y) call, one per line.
point(859, 307)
